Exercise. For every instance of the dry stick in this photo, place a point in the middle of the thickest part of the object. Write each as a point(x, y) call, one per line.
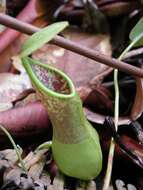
point(134, 53)
point(72, 46)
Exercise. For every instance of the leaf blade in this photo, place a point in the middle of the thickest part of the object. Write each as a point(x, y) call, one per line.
point(137, 33)
point(38, 39)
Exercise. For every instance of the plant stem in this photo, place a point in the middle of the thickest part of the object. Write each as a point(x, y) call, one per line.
point(14, 146)
point(46, 145)
point(116, 116)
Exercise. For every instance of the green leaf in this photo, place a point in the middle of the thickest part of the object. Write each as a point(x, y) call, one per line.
point(136, 33)
point(41, 37)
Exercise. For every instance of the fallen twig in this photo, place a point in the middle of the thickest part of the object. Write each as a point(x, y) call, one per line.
point(72, 46)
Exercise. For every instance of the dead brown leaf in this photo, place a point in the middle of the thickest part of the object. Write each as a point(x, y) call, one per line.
point(137, 107)
point(12, 85)
point(99, 118)
point(30, 119)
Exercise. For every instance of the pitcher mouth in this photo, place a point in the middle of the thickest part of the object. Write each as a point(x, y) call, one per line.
point(48, 79)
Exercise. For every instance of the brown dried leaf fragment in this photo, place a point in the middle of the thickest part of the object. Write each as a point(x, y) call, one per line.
point(10, 155)
point(137, 107)
point(33, 157)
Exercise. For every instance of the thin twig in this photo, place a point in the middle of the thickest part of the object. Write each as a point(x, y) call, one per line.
point(134, 53)
point(72, 46)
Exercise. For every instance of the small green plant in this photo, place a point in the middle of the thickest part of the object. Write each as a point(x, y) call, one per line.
point(136, 37)
point(16, 148)
point(75, 143)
